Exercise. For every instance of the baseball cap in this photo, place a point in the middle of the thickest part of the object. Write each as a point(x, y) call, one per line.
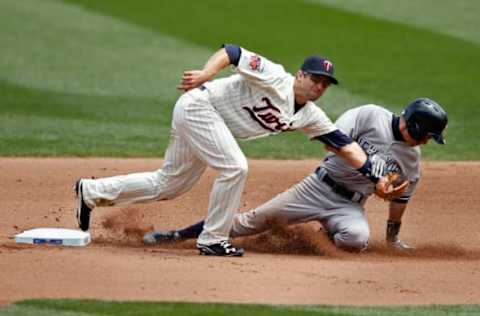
point(318, 65)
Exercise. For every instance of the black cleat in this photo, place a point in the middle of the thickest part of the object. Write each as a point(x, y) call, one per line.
point(224, 248)
point(82, 211)
point(157, 237)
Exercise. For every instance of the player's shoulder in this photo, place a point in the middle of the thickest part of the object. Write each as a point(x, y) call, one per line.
point(417, 152)
point(373, 109)
point(373, 113)
point(311, 106)
point(409, 159)
point(258, 63)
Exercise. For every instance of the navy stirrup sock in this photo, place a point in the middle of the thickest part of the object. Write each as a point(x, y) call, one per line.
point(192, 231)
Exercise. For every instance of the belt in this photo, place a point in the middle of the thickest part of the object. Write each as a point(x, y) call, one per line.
point(353, 196)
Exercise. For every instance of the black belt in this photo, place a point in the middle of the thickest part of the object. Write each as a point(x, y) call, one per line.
point(341, 190)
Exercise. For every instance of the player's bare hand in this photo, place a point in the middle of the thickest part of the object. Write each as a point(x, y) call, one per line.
point(192, 79)
point(386, 188)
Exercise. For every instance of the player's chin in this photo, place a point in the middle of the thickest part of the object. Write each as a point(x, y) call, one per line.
point(315, 96)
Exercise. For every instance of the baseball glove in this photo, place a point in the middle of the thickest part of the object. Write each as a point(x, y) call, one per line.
point(386, 188)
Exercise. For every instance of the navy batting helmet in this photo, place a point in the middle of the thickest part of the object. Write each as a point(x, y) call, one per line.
point(425, 117)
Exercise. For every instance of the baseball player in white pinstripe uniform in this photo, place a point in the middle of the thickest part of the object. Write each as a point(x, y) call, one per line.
point(335, 194)
point(261, 99)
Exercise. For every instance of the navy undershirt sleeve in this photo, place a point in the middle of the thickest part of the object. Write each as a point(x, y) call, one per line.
point(233, 52)
point(336, 139)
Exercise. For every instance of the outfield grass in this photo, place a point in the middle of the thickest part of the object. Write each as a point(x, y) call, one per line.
point(85, 308)
point(97, 78)
point(434, 15)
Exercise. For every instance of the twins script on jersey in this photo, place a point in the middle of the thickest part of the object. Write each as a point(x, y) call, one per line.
point(259, 101)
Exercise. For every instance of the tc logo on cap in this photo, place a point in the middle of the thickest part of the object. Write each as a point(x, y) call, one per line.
point(318, 65)
point(327, 64)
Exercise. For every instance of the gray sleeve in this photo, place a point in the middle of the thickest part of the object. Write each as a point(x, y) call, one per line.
point(347, 122)
point(408, 159)
point(407, 195)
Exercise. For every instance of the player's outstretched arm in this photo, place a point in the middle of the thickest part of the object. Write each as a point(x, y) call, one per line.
point(342, 145)
point(194, 78)
point(352, 153)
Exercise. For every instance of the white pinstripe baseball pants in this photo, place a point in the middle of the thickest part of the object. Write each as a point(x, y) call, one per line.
point(199, 138)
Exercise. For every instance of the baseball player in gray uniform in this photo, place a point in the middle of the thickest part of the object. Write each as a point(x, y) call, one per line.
point(260, 100)
point(335, 193)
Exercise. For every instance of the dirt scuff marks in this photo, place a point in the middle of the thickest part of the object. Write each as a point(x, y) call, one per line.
point(124, 227)
point(296, 239)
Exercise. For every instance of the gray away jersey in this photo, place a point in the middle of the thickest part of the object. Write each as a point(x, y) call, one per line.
point(259, 101)
point(371, 127)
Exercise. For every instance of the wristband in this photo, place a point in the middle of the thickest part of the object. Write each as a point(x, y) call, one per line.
point(366, 170)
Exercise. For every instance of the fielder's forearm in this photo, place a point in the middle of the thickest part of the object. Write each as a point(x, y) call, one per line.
point(194, 78)
point(352, 153)
point(216, 63)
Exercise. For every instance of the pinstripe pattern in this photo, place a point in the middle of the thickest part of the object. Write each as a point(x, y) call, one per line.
point(230, 96)
point(255, 102)
point(199, 138)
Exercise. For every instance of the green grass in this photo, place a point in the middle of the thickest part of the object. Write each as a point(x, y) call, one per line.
point(436, 16)
point(85, 308)
point(42, 124)
point(88, 77)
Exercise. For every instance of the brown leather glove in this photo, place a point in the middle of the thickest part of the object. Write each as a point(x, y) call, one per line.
point(387, 189)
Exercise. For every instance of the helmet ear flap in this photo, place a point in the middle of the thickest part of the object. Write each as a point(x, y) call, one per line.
point(414, 129)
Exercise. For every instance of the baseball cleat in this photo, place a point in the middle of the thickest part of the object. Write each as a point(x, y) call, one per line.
point(82, 211)
point(224, 248)
point(157, 237)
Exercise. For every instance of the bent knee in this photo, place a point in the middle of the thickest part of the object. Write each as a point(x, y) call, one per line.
point(353, 238)
point(248, 223)
point(237, 170)
point(242, 168)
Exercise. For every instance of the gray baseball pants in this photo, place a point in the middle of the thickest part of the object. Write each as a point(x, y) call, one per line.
point(310, 200)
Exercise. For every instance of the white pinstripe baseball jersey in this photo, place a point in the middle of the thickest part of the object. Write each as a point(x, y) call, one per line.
point(259, 101)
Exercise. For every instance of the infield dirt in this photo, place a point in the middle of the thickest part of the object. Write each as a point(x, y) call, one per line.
point(297, 265)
